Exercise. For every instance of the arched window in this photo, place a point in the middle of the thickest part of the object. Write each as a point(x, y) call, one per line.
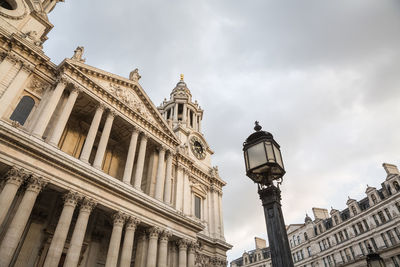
point(23, 109)
point(336, 219)
point(10, 5)
point(305, 236)
point(396, 186)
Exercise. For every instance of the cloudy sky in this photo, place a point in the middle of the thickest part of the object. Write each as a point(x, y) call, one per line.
point(322, 76)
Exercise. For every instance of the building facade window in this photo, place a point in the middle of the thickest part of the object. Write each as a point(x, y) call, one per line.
point(396, 186)
point(197, 207)
point(23, 109)
point(374, 200)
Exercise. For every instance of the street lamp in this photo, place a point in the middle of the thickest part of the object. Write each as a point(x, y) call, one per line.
point(373, 259)
point(264, 165)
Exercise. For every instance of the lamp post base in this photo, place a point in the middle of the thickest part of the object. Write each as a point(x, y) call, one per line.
point(281, 255)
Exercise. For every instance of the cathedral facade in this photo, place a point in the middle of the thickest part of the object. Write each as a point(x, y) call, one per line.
point(92, 173)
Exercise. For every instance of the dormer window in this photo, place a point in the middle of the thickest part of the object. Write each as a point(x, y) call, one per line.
point(354, 210)
point(374, 200)
point(320, 228)
point(336, 219)
point(396, 186)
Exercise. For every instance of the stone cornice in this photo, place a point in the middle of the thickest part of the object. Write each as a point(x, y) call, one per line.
point(48, 154)
point(97, 91)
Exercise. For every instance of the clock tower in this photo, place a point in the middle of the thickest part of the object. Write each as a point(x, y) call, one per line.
point(184, 116)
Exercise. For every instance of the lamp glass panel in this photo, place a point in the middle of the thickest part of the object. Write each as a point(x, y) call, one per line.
point(256, 155)
point(270, 153)
point(246, 160)
point(278, 156)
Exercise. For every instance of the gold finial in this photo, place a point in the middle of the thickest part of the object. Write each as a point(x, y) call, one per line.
point(181, 77)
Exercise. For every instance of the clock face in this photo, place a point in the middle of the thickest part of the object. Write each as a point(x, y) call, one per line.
point(197, 147)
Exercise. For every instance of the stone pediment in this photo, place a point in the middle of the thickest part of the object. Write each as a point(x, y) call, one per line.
point(292, 227)
point(128, 92)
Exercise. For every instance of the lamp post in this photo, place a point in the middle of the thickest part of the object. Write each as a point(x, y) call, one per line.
point(373, 259)
point(264, 165)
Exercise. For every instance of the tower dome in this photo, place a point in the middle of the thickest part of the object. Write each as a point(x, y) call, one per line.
point(181, 90)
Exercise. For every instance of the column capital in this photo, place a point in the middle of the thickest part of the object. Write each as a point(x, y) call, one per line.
point(193, 246)
point(154, 232)
point(111, 113)
point(162, 148)
point(76, 89)
point(132, 222)
point(16, 176)
point(144, 135)
point(71, 198)
point(165, 235)
point(119, 218)
point(36, 183)
point(101, 106)
point(64, 80)
point(183, 243)
point(88, 204)
point(27, 67)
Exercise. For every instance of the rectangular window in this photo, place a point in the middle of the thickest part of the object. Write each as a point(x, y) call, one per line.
point(391, 237)
point(360, 227)
point(374, 243)
point(388, 214)
point(384, 240)
point(346, 234)
point(375, 219)
point(362, 248)
point(397, 231)
point(398, 206)
point(354, 229)
point(197, 207)
point(366, 225)
point(352, 252)
point(381, 216)
point(309, 251)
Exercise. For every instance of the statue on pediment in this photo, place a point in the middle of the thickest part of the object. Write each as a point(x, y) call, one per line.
point(134, 75)
point(78, 53)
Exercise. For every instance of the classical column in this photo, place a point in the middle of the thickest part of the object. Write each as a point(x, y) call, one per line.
point(63, 119)
point(195, 121)
point(130, 157)
point(60, 234)
point(15, 177)
point(182, 253)
point(140, 161)
point(160, 174)
point(191, 254)
point(163, 249)
point(17, 226)
point(184, 114)
point(176, 112)
point(13, 89)
point(48, 109)
point(217, 227)
point(78, 235)
point(179, 188)
point(115, 240)
point(91, 136)
point(168, 174)
point(141, 251)
point(152, 250)
point(199, 125)
point(126, 254)
point(101, 149)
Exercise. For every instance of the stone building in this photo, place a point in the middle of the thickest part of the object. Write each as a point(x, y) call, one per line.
point(91, 172)
point(342, 238)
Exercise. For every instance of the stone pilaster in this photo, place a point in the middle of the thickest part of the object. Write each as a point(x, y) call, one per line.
point(60, 234)
point(115, 240)
point(15, 177)
point(126, 254)
point(191, 254)
point(17, 226)
point(78, 235)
